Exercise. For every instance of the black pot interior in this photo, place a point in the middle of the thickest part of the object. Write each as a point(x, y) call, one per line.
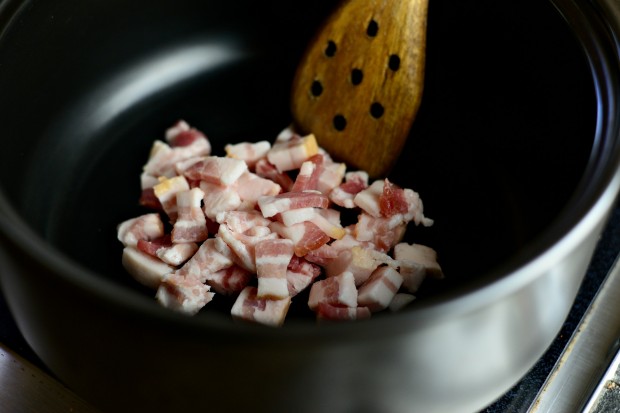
point(502, 139)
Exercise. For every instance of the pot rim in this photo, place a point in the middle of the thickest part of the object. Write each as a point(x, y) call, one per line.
point(596, 27)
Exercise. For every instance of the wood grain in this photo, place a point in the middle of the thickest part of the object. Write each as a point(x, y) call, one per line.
point(359, 84)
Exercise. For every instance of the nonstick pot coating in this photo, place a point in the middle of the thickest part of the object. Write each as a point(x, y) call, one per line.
point(501, 141)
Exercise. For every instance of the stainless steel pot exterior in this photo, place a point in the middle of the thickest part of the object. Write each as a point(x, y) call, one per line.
point(455, 355)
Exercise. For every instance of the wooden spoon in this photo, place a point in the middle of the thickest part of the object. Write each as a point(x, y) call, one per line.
point(359, 85)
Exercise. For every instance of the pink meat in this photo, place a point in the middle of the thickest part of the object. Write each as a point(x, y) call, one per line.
point(334, 313)
point(177, 254)
point(309, 173)
point(272, 259)
point(191, 224)
point(184, 294)
point(323, 255)
point(416, 262)
point(290, 154)
point(248, 152)
point(248, 307)
point(392, 201)
point(300, 274)
point(166, 192)
point(181, 134)
point(331, 175)
point(149, 200)
point(243, 246)
point(212, 256)
point(379, 290)
point(145, 227)
point(212, 169)
point(306, 236)
point(229, 281)
point(384, 233)
point(219, 199)
point(144, 268)
point(357, 261)
point(251, 187)
point(152, 246)
point(266, 170)
point(241, 221)
point(272, 205)
point(344, 194)
point(339, 290)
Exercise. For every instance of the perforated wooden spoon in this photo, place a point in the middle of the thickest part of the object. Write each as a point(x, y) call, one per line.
point(359, 85)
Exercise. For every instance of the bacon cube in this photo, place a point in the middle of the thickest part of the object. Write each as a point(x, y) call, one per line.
point(218, 199)
point(177, 254)
point(166, 192)
point(306, 236)
point(380, 288)
point(243, 246)
point(145, 227)
point(191, 224)
point(272, 205)
point(416, 262)
point(357, 261)
point(213, 169)
point(338, 290)
point(272, 259)
point(241, 221)
point(248, 307)
point(266, 170)
point(251, 187)
point(144, 268)
point(212, 256)
point(184, 294)
point(248, 152)
point(334, 313)
point(300, 273)
point(229, 281)
point(290, 154)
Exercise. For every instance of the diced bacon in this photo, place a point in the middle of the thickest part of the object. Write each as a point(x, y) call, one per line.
point(183, 294)
point(357, 261)
point(248, 307)
point(295, 216)
point(251, 187)
point(248, 152)
point(334, 313)
point(258, 231)
point(309, 173)
point(243, 246)
point(415, 209)
point(368, 199)
point(306, 236)
point(166, 192)
point(145, 227)
point(400, 301)
point(266, 170)
point(241, 221)
point(148, 181)
point(416, 262)
point(212, 169)
point(328, 227)
point(289, 155)
point(384, 233)
point(144, 268)
point(271, 205)
point(331, 176)
point(174, 130)
point(151, 247)
point(349, 241)
point(344, 194)
point(229, 281)
point(149, 200)
point(177, 254)
point(163, 158)
point(218, 199)
point(287, 134)
point(212, 256)
point(191, 224)
point(300, 274)
point(379, 290)
point(392, 201)
point(338, 290)
point(272, 259)
point(322, 255)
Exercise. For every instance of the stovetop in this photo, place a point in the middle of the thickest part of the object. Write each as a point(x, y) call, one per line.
point(525, 393)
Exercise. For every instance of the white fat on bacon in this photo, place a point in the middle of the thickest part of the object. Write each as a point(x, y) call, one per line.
point(272, 258)
point(145, 268)
point(290, 154)
point(263, 223)
point(248, 307)
point(145, 227)
point(380, 288)
point(166, 192)
point(248, 152)
point(184, 294)
point(191, 223)
point(416, 262)
point(339, 290)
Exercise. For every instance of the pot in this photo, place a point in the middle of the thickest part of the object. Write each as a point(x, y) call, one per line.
point(514, 152)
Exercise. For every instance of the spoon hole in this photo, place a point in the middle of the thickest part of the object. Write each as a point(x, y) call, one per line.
point(376, 110)
point(356, 76)
point(331, 48)
point(340, 122)
point(316, 89)
point(394, 62)
point(372, 29)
